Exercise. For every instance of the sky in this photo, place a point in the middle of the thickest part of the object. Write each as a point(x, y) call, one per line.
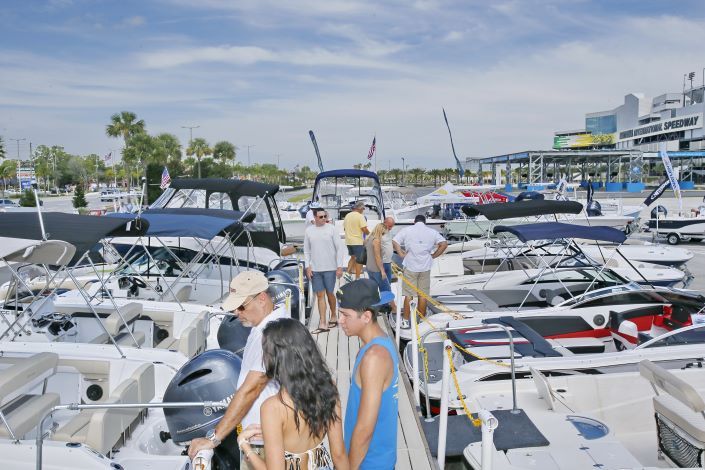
point(261, 73)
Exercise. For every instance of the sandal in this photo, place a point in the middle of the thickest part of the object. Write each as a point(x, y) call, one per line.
point(332, 324)
point(320, 330)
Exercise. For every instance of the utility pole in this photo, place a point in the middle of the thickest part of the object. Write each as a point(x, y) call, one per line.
point(248, 153)
point(18, 145)
point(403, 169)
point(190, 133)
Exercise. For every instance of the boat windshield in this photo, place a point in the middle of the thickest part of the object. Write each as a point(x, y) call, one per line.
point(630, 287)
point(337, 194)
point(691, 335)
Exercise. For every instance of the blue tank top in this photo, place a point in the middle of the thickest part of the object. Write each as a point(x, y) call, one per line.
point(382, 452)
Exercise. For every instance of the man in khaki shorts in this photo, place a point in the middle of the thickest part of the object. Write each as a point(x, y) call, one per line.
point(418, 245)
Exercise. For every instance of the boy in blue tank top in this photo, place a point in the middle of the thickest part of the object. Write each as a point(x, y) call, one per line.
point(370, 424)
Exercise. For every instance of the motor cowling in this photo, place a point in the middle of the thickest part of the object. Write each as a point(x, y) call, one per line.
point(210, 376)
point(232, 335)
point(659, 212)
point(530, 196)
point(280, 292)
point(593, 209)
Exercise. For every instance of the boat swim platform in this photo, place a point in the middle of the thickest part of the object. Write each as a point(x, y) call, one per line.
point(340, 352)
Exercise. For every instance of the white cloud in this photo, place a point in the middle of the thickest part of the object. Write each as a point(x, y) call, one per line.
point(135, 21)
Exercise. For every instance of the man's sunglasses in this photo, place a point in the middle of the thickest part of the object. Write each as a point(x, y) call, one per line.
point(241, 308)
point(321, 216)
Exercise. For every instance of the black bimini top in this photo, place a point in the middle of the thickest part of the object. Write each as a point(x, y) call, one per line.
point(82, 231)
point(557, 230)
point(233, 187)
point(506, 210)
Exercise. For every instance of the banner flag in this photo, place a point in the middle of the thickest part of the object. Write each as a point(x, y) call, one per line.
point(373, 147)
point(461, 171)
point(315, 147)
point(672, 178)
point(656, 193)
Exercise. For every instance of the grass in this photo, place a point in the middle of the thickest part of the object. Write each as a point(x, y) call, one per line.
point(300, 197)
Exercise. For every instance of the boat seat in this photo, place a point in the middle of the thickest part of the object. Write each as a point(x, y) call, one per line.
point(192, 339)
point(585, 345)
point(26, 374)
point(25, 413)
point(102, 429)
point(184, 293)
point(680, 404)
point(125, 339)
point(130, 312)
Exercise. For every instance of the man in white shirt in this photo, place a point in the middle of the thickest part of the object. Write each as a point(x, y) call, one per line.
point(418, 246)
point(250, 299)
point(324, 256)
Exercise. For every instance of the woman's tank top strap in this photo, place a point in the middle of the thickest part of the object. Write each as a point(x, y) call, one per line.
point(318, 459)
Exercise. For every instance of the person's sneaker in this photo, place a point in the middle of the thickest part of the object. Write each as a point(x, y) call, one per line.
point(405, 324)
point(347, 277)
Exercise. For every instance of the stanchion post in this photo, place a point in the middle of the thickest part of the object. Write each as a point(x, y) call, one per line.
point(443, 417)
point(400, 302)
point(489, 424)
point(415, 356)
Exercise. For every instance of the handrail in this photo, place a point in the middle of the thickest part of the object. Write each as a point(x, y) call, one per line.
point(474, 328)
point(208, 407)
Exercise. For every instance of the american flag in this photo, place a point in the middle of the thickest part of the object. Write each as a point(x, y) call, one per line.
point(166, 179)
point(373, 147)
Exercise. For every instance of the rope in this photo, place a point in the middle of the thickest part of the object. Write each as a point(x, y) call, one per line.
point(474, 421)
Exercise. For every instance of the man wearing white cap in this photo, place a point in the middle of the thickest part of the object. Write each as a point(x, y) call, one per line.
point(250, 299)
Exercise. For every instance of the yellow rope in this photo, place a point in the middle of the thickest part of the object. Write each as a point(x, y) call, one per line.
point(475, 421)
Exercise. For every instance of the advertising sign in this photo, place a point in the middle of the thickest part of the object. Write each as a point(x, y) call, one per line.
point(681, 123)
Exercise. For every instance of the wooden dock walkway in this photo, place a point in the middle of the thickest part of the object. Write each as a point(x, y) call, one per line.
point(340, 353)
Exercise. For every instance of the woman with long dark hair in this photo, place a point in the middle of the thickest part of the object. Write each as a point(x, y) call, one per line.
point(306, 409)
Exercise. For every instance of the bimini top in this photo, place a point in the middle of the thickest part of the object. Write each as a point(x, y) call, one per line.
point(51, 252)
point(223, 185)
point(556, 230)
point(193, 223)
point(506, 210)
point(347, 173)
point(82, 231)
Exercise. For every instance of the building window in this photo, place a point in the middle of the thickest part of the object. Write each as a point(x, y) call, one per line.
point(601, 124)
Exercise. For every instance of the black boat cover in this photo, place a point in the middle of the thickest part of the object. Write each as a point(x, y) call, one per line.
point(232, 187)
point(557, 230)
point(200, 223)
point(506, 210)
point(82, 231)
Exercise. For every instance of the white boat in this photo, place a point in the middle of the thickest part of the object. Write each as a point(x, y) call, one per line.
point(634, 420)
point(676, 229)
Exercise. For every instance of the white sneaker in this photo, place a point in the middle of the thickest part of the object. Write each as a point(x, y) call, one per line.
point(347, 277)
point(405, 324)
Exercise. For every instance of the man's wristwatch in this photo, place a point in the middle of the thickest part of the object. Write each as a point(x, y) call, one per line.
point(210, 435)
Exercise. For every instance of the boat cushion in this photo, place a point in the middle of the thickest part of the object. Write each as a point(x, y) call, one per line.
point(25, 417)
point(23, 375)
point(129, 312)
point(126, 340)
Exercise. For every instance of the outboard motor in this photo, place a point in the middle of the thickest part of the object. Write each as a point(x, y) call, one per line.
point(280, 292)
point(210, 376)
point(529, 196)
point(303, 210)
point(291, 268)
point(593, 209)
point(659, 212)
point(232, 335)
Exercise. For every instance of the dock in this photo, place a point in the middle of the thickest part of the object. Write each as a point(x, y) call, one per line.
point(340, 353)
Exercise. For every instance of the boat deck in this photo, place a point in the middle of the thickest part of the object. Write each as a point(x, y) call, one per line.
point(340, 353)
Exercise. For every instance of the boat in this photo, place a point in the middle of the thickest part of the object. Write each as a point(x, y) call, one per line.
point(676, 229)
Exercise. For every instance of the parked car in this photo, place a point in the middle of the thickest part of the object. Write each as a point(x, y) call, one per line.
point(8, 203)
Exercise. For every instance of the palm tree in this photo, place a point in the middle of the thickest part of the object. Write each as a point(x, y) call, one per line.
point(8, 170)
point(224, 151)
point(124, 124)
point(199, 148)
point(167, 149)
point(2, 149)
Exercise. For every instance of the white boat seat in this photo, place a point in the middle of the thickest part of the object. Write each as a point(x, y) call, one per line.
point(25, 374)
point(25, 414)
point(126, 340)
point(129, 312)
point(676, 400)
point(102, 429)
point(183, 293)
point(192, 339)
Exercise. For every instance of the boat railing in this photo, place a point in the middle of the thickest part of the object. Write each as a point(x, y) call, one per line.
point(208, 408)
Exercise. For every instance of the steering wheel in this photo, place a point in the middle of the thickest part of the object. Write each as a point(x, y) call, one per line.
point(138, 282)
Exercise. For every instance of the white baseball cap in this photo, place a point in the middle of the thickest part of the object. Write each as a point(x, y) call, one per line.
point(242, 286)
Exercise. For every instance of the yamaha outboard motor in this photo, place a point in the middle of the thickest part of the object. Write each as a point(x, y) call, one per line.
point(529, 196)
point(210, 376)
point(232, 335)
point(659, 211)
point(280, 292)
point(593, 209)
point(291, 268)
point(303, 210)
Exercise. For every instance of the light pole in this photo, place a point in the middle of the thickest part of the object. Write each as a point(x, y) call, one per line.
point(190, 135)
point(18, 145)
point(248, 153)
point(403, 169)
